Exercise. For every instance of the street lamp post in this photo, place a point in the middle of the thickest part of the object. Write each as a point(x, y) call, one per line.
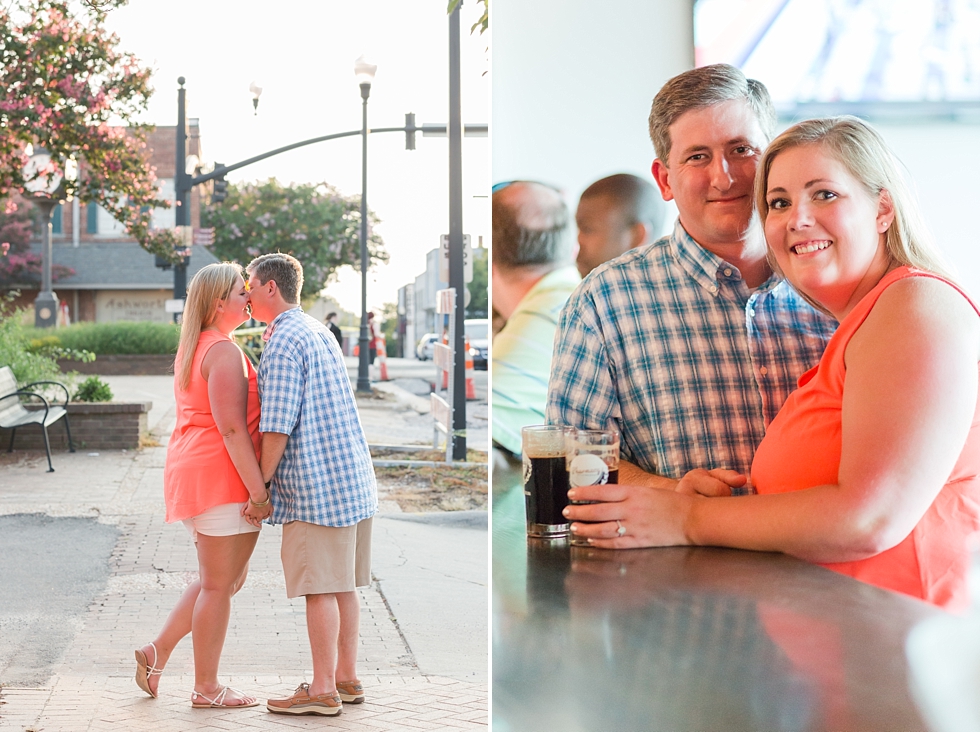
point(182, 214)
point(45, 187)
point(365, 75)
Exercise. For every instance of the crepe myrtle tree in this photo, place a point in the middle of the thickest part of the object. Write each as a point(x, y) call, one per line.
point(66, 87)
point(313, 222)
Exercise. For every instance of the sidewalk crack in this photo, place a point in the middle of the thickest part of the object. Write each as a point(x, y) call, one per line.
point(394, 621)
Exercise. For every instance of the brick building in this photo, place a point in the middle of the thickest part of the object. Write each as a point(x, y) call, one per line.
point(115, 278)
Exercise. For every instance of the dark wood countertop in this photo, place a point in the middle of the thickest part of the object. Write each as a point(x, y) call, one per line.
point(684, 639)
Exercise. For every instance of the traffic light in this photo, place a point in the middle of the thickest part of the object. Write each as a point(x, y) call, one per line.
point(410, 131)
point(220, 191)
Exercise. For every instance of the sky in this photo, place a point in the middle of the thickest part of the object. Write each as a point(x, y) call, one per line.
point(302, 54)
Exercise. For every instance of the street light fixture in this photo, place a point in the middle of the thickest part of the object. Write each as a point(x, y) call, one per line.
point(256, 91)
point(45, 187)
point(364, 72)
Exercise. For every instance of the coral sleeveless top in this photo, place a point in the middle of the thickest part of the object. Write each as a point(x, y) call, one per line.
point(199, 473)
point(802, 448)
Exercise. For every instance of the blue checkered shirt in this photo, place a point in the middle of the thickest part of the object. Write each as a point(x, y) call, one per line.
point(326, 476)
point(668, 345)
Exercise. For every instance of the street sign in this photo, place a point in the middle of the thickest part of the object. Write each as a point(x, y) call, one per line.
point(203, 237)
point(444, 258)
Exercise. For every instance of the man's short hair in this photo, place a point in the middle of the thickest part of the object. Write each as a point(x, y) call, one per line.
point(705, 87)
point(331, 315)
point(636, 199)
point(530, 226)
point(285, 269)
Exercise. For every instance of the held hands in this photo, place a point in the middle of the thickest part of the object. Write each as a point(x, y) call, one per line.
point(255, 513)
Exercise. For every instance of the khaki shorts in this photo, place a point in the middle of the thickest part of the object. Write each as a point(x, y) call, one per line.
point(319, 560)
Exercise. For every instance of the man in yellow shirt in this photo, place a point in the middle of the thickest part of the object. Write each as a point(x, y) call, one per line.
point(533, 275)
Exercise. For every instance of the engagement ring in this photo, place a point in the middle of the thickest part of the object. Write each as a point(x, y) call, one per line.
point(621, 531)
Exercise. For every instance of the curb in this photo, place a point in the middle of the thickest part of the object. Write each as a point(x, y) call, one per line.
point(417, 403)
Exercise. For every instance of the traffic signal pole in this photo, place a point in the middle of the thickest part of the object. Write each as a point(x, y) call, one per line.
point(457, 378)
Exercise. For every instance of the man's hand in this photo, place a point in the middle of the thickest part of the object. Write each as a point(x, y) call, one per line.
point(711, 483)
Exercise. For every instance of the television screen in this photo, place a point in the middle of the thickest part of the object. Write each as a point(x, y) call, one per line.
point(859, 56)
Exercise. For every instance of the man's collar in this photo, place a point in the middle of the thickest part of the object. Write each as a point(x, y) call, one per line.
point(702, 264)
point(272, 326)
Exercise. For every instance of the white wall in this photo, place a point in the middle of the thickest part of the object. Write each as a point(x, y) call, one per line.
point(943, 160)
point(572, 85)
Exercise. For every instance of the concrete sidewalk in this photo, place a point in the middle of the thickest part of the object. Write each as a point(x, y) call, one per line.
point(423, 657)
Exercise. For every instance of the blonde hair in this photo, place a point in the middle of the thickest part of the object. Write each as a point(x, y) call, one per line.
point(863, 152)
point(211, 284)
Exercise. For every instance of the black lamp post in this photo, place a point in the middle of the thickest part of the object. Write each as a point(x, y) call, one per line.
point(365, 75)
point(45, 188)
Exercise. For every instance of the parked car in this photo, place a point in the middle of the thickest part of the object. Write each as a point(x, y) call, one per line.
point(423, 350)
point(478, 331)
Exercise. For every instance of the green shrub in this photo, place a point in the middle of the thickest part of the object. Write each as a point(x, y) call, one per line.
point(28, 366)
point(93, 389)
point(118, 338)
point(50, 346)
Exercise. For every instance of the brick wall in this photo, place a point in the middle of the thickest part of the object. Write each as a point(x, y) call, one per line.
point(95, 426)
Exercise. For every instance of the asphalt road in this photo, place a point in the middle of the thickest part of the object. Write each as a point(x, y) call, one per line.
point(50, 571)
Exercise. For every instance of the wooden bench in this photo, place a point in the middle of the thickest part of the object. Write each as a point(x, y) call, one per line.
point(13, 414)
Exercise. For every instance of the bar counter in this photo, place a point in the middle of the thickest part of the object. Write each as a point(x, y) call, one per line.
point(688, 639)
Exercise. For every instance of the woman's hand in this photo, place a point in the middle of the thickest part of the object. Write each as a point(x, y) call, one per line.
point(648, 516)
point(256, 514)
point(711, 483)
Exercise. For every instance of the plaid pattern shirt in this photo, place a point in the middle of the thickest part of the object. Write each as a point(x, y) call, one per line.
point(326, 476)
point(668, 345)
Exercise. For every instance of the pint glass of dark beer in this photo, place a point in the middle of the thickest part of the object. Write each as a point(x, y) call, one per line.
point(592, 458)
point(545, 480)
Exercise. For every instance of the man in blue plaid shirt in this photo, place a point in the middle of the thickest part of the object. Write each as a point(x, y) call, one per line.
point(690, 345)
point(321, 478)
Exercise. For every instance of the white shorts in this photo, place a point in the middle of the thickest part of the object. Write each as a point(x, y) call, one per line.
point(223, 520)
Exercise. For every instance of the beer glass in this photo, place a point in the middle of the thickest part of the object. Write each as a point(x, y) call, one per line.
point(592, 458)
point(545, 480)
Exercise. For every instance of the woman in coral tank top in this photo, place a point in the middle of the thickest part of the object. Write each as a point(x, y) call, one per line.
point(872, 467)
point(212, 481)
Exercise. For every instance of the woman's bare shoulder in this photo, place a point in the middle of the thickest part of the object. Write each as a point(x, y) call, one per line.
point(223, 355)
point(926, 299)
point(920, 311)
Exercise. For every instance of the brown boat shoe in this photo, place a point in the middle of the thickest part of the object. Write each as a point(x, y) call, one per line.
point(350, 692)
point(302, 703)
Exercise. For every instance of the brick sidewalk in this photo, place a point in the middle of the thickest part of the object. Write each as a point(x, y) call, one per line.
point(266, 652)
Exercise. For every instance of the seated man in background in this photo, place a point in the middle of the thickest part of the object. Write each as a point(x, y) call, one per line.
point(533, 276)
point(616, 214)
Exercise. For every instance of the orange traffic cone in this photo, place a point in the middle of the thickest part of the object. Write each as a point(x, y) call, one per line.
point(470, 385)
point(445, 372)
